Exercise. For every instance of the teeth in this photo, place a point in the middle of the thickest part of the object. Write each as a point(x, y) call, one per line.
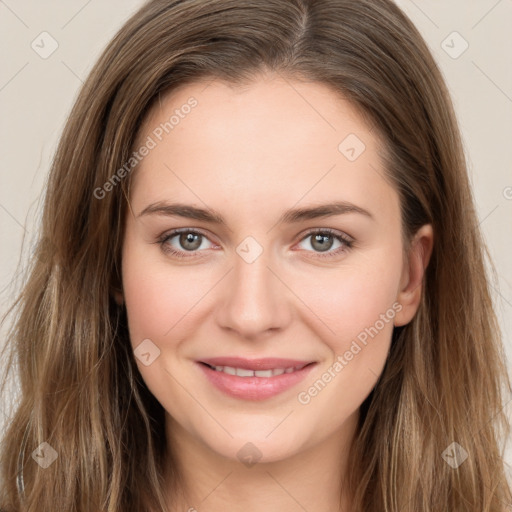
point(263, 373)
point(242, 372)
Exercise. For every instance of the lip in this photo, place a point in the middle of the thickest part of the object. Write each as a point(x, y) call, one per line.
point(254, 388)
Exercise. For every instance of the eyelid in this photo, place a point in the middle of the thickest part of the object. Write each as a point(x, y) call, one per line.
point(330, 231)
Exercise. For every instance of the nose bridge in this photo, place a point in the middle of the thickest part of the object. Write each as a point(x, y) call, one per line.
point(255, 299)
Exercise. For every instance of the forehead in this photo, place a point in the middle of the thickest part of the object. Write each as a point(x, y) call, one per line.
point(274, 140)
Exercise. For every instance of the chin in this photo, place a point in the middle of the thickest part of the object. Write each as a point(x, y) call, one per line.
point(255, 445)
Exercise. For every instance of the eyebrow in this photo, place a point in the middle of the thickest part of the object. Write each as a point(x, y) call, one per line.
point(290, 216)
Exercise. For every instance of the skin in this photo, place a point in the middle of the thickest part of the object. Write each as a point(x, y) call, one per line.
point(250, 153)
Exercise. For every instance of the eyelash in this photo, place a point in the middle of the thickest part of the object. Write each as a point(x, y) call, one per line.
point(347, 242)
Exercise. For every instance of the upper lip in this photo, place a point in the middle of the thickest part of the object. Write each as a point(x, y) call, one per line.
point(269, 363)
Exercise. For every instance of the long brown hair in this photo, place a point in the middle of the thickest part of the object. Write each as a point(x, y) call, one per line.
point(80, 390)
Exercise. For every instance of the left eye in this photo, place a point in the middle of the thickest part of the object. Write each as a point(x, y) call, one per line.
point(322, 242)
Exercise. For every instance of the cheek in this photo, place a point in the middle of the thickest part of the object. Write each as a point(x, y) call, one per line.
point(159, 297)
point(358, 306)
point(163, 302)
point(354, 297)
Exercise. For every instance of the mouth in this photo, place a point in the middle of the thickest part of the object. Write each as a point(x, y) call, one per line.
point(244, 372)
point(255, 379)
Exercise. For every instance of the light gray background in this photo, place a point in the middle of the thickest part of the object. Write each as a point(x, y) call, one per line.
point(36, 95)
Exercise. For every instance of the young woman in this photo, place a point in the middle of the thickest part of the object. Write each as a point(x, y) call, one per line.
point(260, 282)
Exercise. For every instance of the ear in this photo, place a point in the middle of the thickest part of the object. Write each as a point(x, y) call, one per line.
point(411, 281)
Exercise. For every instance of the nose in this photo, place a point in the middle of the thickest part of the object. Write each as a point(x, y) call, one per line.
point(255, 300)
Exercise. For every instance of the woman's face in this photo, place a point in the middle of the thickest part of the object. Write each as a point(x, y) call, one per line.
point(289, 263)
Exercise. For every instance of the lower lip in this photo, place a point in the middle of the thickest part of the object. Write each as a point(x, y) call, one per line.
point(254, 388)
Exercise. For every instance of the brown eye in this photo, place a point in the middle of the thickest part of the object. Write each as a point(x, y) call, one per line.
point(190, 241)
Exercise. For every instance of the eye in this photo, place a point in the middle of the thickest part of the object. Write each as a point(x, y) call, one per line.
point(323, 240)
point(187, 241)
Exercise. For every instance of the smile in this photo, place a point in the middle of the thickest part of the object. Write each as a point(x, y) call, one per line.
point(254, 380)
